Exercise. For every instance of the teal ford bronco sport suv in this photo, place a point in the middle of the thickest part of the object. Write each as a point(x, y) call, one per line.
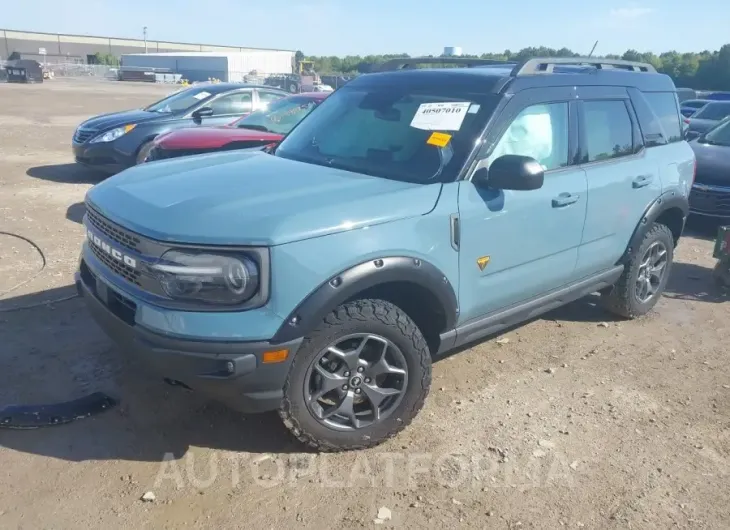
point(415, 211)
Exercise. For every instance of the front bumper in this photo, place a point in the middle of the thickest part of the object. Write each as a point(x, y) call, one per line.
point(102, 156)
point(230, 372)
point(710, 200)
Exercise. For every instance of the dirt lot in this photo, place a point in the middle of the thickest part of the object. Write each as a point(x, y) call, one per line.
point(578, 420)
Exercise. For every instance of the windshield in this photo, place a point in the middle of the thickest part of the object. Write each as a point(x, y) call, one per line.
point(280, 116)
point(180, 101)
point(694, 103)
point(720, 135)
point(713, 111)
point(421, 134)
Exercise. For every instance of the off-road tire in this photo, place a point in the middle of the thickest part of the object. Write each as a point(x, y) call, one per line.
point(621, 299)
point(360, 316)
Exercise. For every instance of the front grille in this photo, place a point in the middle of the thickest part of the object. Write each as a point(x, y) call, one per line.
point(113, 231)
point(712, 201)
point(83, 134)
point(121, 269)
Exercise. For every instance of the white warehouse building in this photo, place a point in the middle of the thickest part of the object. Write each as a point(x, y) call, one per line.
point(225, 66)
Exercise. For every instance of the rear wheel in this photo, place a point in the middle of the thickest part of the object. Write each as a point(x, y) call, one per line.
point(645, 276)
point(358, 379)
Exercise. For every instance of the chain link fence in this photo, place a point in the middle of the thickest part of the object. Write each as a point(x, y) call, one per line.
point(73, 69)
point(293, 83)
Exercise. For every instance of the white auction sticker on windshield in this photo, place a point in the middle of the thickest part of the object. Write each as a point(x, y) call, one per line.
point(440, 116)
point(201, 95)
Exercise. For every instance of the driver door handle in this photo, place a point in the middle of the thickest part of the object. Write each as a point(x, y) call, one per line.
point(642, 180)
point(565, 199)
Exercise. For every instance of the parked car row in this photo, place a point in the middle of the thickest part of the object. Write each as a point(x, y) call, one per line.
point(262, 128)
point(355, 237)
point(704, 119)
point(113, 142)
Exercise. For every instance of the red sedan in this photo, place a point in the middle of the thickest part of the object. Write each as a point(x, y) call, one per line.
point(261, 128)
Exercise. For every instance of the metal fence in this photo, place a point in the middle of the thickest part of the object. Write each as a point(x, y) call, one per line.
point(81, 70)
point(75, 69)
point(290, 82)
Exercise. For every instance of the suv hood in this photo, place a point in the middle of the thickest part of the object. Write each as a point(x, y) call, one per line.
point(252, 198)
point(213, 137)
point(116, 119)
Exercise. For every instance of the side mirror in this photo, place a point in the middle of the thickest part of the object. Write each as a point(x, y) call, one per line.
point(511, 172)
point(691, 135)
point(202, 112)
point(270, 148)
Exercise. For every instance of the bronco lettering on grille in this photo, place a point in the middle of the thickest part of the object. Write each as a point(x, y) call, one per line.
point(108, 249)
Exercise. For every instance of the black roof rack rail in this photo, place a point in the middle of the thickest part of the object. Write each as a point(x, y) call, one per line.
point(406, 63)
point(540, 65)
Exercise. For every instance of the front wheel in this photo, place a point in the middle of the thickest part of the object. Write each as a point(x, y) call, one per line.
point(144, 151)
point(358, 379)
point(645, 276)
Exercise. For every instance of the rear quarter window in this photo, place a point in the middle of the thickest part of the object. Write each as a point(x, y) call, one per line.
point(664, 105)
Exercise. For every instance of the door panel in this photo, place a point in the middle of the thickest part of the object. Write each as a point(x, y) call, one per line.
point(621, 181)
point(530, 239)
point(532, 243)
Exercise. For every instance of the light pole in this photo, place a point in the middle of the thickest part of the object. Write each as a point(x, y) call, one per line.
point(144, 32)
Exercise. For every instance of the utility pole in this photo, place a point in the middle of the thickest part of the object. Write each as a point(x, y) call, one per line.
point(144, 32)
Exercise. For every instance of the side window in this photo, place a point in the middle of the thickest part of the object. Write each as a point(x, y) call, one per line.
point(608, 130)
point(539, 131)
point(266, 97)
point(664, 105)
point(235, 103)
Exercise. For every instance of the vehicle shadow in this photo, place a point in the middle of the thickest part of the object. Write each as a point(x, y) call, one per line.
point(54, 352)
point(76, 212)
point(689, 281)
point(702, 227)
point(66, 173)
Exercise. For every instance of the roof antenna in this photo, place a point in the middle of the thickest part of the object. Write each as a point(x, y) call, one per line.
point(593, 49)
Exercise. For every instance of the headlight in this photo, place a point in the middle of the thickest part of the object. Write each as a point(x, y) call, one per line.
point(205, 277)
point(112, 135)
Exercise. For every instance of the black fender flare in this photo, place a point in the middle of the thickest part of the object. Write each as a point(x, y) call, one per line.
point(670, 199)
point(348, 283)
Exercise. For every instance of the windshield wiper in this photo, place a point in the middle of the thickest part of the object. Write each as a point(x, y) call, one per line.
point(254, 128)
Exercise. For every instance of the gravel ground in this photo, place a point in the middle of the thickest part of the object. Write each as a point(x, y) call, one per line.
point(574, 420)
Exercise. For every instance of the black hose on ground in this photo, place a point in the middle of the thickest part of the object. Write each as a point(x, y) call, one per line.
point(25, 417)
point(33, 277)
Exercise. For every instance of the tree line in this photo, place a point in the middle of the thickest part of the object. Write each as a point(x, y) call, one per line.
point(709, 70)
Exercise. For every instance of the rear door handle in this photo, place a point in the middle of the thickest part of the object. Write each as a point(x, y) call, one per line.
point(565, 199)
point(642, 180)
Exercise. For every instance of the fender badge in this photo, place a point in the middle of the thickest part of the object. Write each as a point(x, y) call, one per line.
point(482, 262)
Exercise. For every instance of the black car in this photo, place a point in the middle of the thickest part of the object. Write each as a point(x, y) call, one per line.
point(691, 106)
point(113, 142)
point(706, 118)
point(710, 194)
